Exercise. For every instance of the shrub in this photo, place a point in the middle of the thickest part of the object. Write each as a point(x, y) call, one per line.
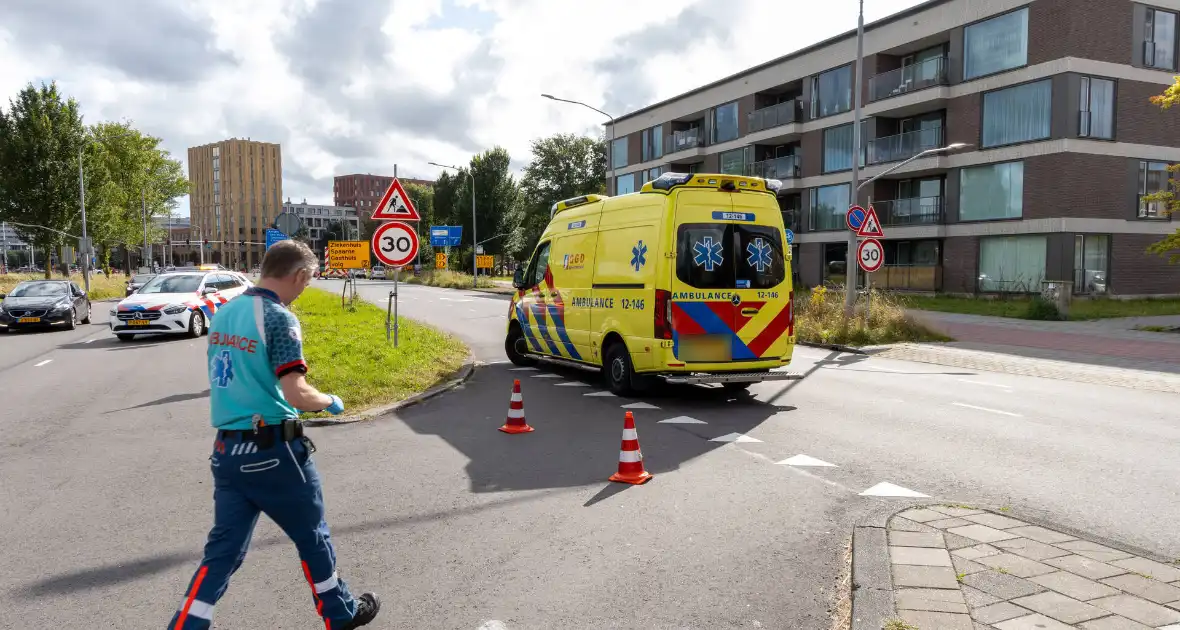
point(1042, 309)
point(819, 318)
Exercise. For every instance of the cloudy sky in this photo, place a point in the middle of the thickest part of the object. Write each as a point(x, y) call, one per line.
point(360, 85)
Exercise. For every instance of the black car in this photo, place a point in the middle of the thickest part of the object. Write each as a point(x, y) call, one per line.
point(137, 281)
point(44, 303)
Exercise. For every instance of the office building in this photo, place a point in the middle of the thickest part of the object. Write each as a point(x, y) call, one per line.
point(364, 191)
point(1051, 95)
point(236, 191)
point(319, 220)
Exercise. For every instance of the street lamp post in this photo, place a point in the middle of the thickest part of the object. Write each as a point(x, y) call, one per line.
point(474, 234)
point(610, 142)
point(850, 257)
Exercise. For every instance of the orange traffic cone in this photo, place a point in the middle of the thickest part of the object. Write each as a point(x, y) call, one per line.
point(515, 422)
point(630, 457)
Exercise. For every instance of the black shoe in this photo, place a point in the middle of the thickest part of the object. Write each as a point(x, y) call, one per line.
point(367, 606)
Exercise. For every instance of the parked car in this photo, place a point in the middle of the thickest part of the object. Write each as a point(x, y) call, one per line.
point(138, 280)
point(44, 303)
point(378, 273)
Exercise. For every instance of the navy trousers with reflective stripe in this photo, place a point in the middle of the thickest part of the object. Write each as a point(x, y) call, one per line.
point(282, 483)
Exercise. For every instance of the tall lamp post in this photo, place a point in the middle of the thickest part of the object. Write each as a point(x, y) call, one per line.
point(610, 142)
point(82, 198)
point(474, 234)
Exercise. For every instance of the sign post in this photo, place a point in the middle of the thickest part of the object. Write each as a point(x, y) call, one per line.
point(395, 243)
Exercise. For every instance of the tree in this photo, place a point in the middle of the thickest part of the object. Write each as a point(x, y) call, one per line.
point(334, 231)
point(40, 136)
point(495, 197)
point(1170, 245)
point(563, 166)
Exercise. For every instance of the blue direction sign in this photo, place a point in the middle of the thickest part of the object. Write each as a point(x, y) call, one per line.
point(446, 235)
point(790, 237)
point(273, 236)
point(855, 218)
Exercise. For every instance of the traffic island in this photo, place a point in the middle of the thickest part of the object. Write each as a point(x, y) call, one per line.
point(956, 567)
point(879, 319)
point(348, 355)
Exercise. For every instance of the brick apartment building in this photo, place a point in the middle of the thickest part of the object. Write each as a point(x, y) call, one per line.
point(364, 191)
point(1052, 96)
point(235, 193)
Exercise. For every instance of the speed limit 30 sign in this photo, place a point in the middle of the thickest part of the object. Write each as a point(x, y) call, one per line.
point(870, 255)
point(395, 243)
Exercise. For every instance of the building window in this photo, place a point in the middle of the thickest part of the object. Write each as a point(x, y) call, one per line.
point(995, 45)
point(618, 152)
point(653, 173)
point(625, 184)
point(1017, 114)
point(653, 143)
point(733, 162)
point(1012, 264)
point(831, 93)
point(1153, 179)
point(1159, 35)
point(725, 122)
point(829, 204)
point(1091, 262)
point(992, 191)
point(1097, 104)
point(838, 148)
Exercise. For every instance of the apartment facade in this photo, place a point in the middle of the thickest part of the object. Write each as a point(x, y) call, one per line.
point(319, 220)
point(363, 191)
point(235, 193)
point(1051, 95)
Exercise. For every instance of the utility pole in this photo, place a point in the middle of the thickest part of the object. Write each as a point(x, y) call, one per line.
point(850, 263)
point(147, 248)
point(85, 239)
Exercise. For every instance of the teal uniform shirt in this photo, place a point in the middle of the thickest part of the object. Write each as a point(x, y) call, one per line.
point(253, 342)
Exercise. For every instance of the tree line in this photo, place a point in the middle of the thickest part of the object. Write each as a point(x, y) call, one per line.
point(47, 151)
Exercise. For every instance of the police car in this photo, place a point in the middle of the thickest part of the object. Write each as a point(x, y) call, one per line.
point(176, 303)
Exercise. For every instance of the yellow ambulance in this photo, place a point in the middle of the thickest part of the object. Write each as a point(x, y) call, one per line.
point(687, 280)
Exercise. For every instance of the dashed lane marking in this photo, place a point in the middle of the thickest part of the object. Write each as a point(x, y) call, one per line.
point(492, 625)
point(603, 394)
point(1002, 413)
point(572, 384)
point(886, 489)
point(639, 405)
point(44, 362)
point(546, 376)
point(996, 385)
point(682, 420)
point(90, 340)
point(739, 438)
point(806, 460)
point(524, 369)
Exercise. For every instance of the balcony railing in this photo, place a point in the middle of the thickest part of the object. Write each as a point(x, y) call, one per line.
point(909, 78)
point(916, 211)
point(904, 145)
point(684, 140)
point(777, 168)
point(774, 116)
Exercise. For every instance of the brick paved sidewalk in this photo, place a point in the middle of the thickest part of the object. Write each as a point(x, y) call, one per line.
point(955, 568)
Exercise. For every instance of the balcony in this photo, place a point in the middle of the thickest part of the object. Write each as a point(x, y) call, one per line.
point(684, 140)
point(777, 168)
point(904, 145)
point(916, 211)
point(774, 116)
point(908, 79)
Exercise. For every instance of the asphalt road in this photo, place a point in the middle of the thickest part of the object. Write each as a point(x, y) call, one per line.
point(107, 499)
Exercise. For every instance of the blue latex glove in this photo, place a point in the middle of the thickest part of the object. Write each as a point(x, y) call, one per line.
point(337, 406)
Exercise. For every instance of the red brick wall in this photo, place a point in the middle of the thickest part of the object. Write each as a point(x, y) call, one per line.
point(1133, 271)
point(812, 147)
point(1139, 121)
point(963, 119)
point(1089, 29)
point(960, 264)
point(1077, 185)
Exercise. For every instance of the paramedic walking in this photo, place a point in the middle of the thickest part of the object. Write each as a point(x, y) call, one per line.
point(261, 461)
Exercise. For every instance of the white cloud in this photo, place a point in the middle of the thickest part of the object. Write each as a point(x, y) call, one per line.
point(359, 85)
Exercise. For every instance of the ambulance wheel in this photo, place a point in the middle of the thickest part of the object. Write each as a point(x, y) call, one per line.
point(618, 371)
point(517, 348)
point(196, 324)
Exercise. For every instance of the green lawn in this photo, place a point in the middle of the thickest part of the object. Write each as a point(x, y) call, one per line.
point(1016, 307)
point(101, 287)
point(347, 353)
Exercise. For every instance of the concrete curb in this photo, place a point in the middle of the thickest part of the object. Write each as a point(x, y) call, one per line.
point(831, 346)
point(460, 376)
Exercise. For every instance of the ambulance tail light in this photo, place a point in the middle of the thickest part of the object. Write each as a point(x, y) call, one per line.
point(663, 314)
point(791, 314)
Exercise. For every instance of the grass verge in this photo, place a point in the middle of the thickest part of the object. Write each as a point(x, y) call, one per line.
point(348, 355)
point(1018, 307)
point(101, 287)
point(819, 318)
point(448, 279)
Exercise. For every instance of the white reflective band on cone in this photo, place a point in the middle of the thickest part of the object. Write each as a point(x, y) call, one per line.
point(327, 585)
point(630, 457)
point(630, 434)
point(201, 610)
point(515, 413)
point(516, 398)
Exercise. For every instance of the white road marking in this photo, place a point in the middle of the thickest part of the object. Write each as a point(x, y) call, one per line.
point(455, 299)
point(90, 341)
point(523, 369)
point(806, 460)
point(43, 362)
point(1003, 413)
point(639, 405)
point(572, 384)
point(546, 376)
point(603, 394)
point(492, 625)
point(473, 310)
point(740, 438)
point(964, 380)
point(682, 420)
point(886, 489)
point(811, 475)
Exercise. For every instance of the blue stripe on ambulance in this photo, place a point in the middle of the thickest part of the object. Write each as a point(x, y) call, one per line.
point(543, 328)
point(712, 325)
point(523, 319)
point(559, 322)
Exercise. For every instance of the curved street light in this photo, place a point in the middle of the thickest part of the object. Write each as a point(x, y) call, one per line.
point(474, 242)
point(610, 149)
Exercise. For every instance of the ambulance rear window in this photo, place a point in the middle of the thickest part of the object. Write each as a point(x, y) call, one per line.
point(729, 256)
